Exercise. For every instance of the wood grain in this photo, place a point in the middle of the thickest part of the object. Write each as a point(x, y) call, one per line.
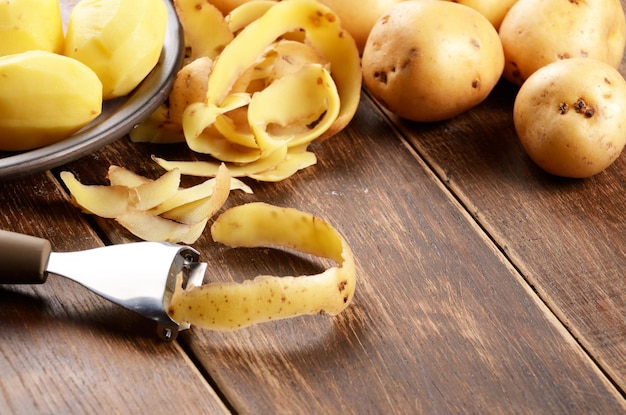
point(485, 286)
point(66, 350)
point(441, 323)
point(566, 236)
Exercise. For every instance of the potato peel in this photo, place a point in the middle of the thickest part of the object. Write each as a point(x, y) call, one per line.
point(231, 306)
point(154, 210)
point(289, 75)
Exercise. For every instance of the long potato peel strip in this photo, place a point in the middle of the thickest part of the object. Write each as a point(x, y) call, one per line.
point(204, 26)
point(231, 305)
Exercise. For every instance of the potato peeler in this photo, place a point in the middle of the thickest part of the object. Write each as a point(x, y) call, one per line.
point(140, 276)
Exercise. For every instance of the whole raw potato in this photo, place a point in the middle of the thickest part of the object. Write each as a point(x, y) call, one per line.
point(570, 117)
point(537, 32)
point(430, 60)
point(493, 10)
point(359, 20)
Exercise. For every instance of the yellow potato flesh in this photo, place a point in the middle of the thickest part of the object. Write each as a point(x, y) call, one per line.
point(244, 14)
point(315, 102)
point(119, 176)
point(157, 229)
point(121, 40)
point(230, 306)
point(192, 211)
point(30, 25)
point(295, 159)
point(148, 195)
point(158, 128)
point(104, 201)
point(45, 98)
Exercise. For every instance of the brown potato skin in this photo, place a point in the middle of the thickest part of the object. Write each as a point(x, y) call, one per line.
point(493, 10)
point(431, 60)
point(359, 19)
point(537, 32)
point(570, 117)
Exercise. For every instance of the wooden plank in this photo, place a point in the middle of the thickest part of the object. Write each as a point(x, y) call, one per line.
point(66, 350)
point(441, 322)
point(566, 236)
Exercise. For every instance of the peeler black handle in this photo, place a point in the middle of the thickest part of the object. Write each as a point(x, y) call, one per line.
point(23, 258)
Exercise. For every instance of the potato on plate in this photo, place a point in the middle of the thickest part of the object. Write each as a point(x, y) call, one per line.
point(44, 98)
point(30, 25)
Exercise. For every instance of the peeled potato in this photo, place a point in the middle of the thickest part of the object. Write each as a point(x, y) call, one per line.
point(570, 116)
point(535, 33)
point(431, 60)
point(45, 97)
point(30, 25)
point(121, 40)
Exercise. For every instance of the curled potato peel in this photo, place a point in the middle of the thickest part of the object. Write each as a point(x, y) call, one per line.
point(277, 166)
point(296, 159)
point(290, 75)
point(204, 26)
point(274, 112)
point(230, 305)
point(244, 14)
point(154, 210)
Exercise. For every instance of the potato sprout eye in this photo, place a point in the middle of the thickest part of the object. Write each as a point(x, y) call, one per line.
point(581, 107)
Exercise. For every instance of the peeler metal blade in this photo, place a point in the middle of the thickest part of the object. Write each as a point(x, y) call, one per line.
point(139, 276)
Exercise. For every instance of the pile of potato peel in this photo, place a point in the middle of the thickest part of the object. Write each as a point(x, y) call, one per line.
point(269, 79)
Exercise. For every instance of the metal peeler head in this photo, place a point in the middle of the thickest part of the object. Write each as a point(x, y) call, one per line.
point(186, 265)
point(139, 276)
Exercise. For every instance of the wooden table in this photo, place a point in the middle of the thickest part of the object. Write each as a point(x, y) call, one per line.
point(485, 286)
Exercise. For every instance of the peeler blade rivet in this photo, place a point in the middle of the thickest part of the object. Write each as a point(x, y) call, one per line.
point(167, 333)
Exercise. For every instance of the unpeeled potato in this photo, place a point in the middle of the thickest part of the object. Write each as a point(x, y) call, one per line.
point(535, 33)
point(430, 60)
point(359, 20)
point(570, 116)
point(493, 10)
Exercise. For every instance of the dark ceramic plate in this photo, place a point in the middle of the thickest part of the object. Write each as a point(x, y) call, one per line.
point(118, 116)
